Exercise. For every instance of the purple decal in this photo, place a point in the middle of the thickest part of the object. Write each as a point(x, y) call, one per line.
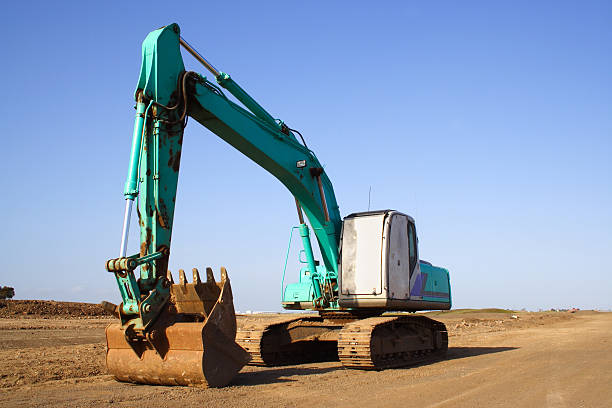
point(419, 285)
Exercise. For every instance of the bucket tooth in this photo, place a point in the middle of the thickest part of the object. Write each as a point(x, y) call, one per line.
point(169, 277)
point(196, 277)
point(210, 278)
point(198, 354)
point(110, 308)
point(192, 342)
point(223, 274)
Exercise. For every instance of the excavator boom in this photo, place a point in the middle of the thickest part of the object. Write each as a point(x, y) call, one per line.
point(155, 313)
point(186, 333)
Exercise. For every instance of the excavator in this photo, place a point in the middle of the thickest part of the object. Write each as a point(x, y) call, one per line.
point(358, 301)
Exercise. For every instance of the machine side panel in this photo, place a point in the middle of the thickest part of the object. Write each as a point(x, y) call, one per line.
point(362, 246)
point(398, 258)
point(435, 284)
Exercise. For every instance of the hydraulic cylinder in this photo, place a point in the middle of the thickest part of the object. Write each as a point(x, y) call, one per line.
point(131, 183)
point(305, 234)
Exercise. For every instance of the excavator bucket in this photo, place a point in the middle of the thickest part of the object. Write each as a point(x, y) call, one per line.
point(191, 343)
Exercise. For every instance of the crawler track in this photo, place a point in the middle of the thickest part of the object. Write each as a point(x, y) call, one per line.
point(389, 342)
point(293, 341)
point(370, 343)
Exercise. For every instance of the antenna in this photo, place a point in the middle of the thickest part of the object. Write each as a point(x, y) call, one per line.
point(416, 205)
point(369, 195)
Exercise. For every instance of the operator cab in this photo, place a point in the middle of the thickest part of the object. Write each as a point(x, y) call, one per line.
point(380, 268)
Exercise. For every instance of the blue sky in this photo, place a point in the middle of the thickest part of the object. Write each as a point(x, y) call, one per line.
point(489, 122)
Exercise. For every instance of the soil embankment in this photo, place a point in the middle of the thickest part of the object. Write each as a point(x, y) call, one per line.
point(48, 309)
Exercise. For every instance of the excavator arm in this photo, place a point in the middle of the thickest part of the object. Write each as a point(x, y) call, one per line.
point(166, 96)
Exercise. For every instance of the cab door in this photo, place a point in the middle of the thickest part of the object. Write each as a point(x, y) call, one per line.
point(399, 260)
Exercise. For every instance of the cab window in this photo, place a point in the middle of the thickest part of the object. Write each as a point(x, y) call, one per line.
point(412, 246)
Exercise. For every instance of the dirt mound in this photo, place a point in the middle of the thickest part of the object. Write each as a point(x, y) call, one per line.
point(42, 308)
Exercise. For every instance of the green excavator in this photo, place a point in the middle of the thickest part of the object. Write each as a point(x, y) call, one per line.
point(362, 293)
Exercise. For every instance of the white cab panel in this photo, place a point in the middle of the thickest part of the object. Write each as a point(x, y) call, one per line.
point(398, 258)
point(361, 255)
point(375, 259)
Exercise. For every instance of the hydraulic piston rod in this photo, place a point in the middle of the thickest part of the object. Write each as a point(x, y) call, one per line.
point(131, 184)
point(199, 57)
point(126, 227)
point(228, 83)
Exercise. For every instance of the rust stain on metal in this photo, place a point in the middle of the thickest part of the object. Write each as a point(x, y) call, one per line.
point(162, 214)
point(174, 160)
point(144, 245)
point(140, 220)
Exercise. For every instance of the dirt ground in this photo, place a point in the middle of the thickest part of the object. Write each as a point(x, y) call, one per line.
point(549, 359)
point(48, 308)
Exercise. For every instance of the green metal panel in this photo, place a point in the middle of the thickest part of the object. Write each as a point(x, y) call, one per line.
point(299, 292)
point(159, 160)
point(131, 184)
point(161, 65)
point(305, 290)
point(437, 284)
point(153, 174)
point(228, 83)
